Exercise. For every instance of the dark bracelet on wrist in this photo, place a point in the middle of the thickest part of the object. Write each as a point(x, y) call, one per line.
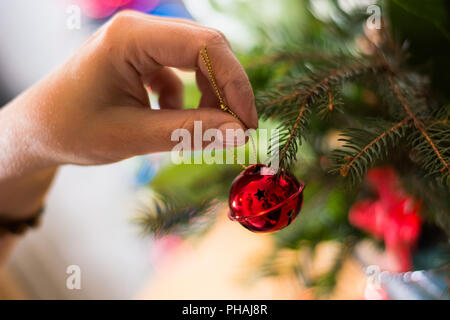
point(19, 227)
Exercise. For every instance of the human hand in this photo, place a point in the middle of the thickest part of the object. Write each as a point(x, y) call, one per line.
point(94, 108)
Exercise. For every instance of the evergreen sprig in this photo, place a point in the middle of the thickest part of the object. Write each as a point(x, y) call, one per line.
point(431, 146)
point(295, 98)
point(364, 147)
point(293, 102)
point(314, 83)
point(433, 149)
point(169, 216)
point(411, 127)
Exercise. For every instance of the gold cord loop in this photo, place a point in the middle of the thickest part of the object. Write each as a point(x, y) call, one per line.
point(205, 57)
point(207, 61)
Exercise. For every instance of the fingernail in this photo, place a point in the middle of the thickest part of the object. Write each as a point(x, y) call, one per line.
point(233, 135)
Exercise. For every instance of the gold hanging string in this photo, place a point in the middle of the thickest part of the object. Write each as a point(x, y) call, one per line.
point(206, 60)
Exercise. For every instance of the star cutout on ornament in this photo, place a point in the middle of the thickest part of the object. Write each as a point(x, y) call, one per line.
point(260, 194)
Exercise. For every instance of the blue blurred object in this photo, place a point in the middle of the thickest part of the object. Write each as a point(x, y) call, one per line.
point(171, 9)
point(147, 170)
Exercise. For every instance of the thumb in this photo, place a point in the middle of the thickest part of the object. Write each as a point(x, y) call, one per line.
point(154, 130)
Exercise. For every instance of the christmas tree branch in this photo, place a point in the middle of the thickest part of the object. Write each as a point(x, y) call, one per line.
point(417, 122)
point(325, 81)
point(352, 159)
point(316, 91)
point(433, 122)
point(291, 134)
point(168, 216)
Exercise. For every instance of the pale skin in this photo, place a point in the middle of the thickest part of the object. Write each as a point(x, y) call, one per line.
point(94, 108)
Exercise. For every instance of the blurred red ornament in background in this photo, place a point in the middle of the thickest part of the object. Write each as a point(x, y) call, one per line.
point(392, 217)
point(263, 202)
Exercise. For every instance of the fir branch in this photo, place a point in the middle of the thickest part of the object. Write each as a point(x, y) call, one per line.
point(324, 82)
point(364, 147)
point(433, 122)
point(344, 170)
point(292, 133)
point(331, 104)
point(419, 125)
point(439, 133)
point(168, 216)
point(312, 92)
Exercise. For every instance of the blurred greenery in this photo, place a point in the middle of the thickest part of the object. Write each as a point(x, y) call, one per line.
point(298, 39)
point(195, 182)
point(191, 95)
point(425, 26)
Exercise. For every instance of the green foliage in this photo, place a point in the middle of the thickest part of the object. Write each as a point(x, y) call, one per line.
point(292, 102)
point(187, 198)
point(195, 182)
point(424, 26)
point(384, 92)
point(167, 216)
point(303, 84)
point(323, 217)
point(191, 96)
point(316, 80)
point(311, 84)
point(433, 11)
point(364, 147)
point(438, 132)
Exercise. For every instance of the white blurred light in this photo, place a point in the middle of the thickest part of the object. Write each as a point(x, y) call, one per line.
point(205, 14)
point(321, 9)
point(353, 5)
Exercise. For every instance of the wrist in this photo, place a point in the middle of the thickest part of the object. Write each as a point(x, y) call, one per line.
point(24, 175)
point(22, 197)
point(23, 136)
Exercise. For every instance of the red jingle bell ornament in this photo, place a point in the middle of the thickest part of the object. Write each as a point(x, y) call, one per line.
point(260, 202)
point(265, 203)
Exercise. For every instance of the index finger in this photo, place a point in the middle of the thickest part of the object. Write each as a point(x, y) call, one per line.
point(149, 43)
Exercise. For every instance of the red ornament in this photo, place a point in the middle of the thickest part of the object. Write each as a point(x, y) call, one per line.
point(265, 202)
point(393, 216)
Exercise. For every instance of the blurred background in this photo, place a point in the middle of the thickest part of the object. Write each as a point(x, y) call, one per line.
point(90, 210)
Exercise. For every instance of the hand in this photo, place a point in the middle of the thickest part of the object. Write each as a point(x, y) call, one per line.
point(94, 108)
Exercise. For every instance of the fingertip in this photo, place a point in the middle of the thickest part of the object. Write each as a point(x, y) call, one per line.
point(255, 121)
point(251, 119)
